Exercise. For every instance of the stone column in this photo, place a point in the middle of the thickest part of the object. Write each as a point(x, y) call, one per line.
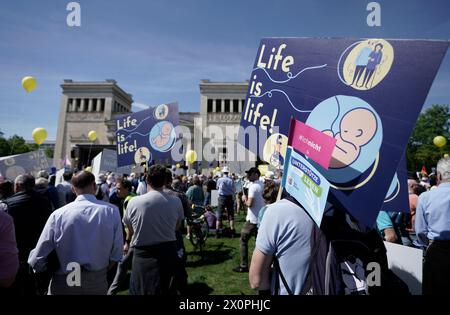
point(99, 103)
point(91, 105)
point(82, 105)
point(222, 105)
point(214, 106)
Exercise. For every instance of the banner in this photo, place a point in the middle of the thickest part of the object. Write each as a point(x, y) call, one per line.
point(147, 135)
point(31, 162)
point(365, 93)
point(106, 161)
point(311, 142)
point(406, 263)
point(397, 197)
point(303, 182)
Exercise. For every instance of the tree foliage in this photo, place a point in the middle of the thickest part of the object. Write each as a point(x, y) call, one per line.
point(421, 151)
point(14, 145)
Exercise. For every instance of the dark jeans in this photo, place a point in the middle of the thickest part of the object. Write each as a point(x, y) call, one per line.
point(154, 269)
point(120, 280)
point(246, 232)
point(25, 283)
point(436, 271)
point(207, 199)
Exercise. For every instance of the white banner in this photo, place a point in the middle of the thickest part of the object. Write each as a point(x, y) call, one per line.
point(31, 162)
point(406, 263)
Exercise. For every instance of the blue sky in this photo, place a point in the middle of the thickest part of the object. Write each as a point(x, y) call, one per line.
point(160, 50)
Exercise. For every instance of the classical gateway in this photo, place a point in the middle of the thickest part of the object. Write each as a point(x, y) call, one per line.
point(89, 106)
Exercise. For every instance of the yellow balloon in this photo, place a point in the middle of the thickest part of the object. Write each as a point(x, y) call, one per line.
point(88, 169)
point(191, 156)
point(29, 84)
point(178, 165)
point(92, 135)
point(446, 155)
point(439, 141)
point(39, 135)
point(218, 169)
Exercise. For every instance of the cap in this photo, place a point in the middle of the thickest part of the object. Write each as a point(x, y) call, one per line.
point(225, 169)
point(269, 175)
point(253, 170)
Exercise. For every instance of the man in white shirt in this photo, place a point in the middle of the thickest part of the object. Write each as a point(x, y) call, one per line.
point(254, 202)
point(85, 234)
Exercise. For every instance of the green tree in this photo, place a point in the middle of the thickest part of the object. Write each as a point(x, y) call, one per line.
point(49, 152)
point(14, 145)
point(421, 151)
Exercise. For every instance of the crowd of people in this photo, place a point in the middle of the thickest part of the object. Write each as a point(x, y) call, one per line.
point(110, 224)
point(102, 227)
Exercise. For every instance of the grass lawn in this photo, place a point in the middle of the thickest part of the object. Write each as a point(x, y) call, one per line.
point(212, 272)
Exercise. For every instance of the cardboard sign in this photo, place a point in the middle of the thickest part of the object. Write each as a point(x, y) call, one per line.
point(311, 142)
point(214, 198)
point(31, 162)
point(147, 135)
point(365, 93)
point(406, 263)
point(305, 183)
point(106, 161)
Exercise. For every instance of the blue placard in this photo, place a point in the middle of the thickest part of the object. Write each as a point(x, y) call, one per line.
point(397, 197)
point(305, 183)
point(148, 135)
point(367, 93)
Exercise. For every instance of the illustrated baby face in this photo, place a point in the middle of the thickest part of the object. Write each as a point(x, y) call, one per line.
point(166, 129)
point(358, 126)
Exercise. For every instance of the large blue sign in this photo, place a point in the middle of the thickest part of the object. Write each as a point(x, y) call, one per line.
point(397, 197)
point(148, 135)
point(366, 93)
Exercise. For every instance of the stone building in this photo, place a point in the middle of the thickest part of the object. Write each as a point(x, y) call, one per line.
point(89, 106)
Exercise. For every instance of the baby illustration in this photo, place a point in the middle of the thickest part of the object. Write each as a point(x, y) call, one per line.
point(142, 157)
point(357, 128)
point(164, 135)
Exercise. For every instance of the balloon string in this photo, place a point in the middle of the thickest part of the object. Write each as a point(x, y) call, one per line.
point(89, 155)
point(39, 156)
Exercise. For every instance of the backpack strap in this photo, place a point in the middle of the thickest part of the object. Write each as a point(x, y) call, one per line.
point(308, 281)
point(277, 267)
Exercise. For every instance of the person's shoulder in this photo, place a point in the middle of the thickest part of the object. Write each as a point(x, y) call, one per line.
point(284, 207)
point(137, 200)
point(172, 197)
point(424, 196)
point(5, 218)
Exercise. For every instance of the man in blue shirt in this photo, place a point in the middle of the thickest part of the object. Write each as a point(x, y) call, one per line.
point(86, 233)
point(284, 233)
point(226, 190)
point(433, 229)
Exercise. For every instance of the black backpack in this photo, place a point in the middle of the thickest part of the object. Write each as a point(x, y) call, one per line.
point(342, 258)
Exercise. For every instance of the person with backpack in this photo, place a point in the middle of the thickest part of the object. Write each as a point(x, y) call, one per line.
point(102, 192)
point(284, 234)
point(333, 259)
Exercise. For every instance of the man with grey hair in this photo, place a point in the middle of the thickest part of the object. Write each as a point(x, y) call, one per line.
point(29, 210)
point(433, 230)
